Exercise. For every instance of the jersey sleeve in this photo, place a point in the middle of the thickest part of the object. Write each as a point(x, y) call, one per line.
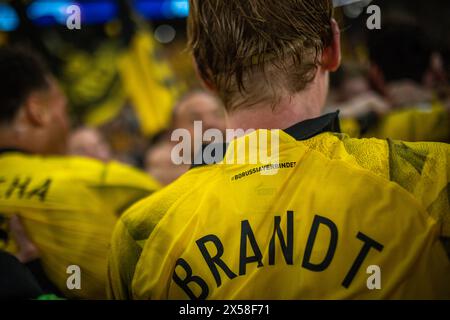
point(123, 258)
point(424, 170)
point(132, 232)
point(128, 240)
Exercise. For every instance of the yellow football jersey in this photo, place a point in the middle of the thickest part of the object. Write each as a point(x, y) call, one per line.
point(69, 207)
point(430, 123)
point(338, 218)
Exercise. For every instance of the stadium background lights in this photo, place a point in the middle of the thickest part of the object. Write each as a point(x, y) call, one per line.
point(50, 12)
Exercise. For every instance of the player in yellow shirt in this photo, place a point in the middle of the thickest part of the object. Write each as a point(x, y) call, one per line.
point(326, 217)
point(68, 205)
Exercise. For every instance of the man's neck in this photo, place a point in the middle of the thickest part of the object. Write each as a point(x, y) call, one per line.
point(7, 139)
point(10, 139)
point(285, 114)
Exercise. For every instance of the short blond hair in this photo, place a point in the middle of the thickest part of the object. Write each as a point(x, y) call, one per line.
point(249, 50)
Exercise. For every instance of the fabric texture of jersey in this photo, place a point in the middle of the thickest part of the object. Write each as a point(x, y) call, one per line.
point(332, 215)
point(69, 207)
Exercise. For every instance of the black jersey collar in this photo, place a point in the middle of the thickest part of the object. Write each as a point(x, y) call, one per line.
point(310, 128)
point(8, 150)
point(301, 131)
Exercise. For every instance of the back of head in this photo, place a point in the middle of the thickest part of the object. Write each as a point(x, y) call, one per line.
point(253, 51)
point(21, 74)
point(33, 108)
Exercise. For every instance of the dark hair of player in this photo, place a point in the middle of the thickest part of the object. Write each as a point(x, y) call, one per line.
point(21, 73)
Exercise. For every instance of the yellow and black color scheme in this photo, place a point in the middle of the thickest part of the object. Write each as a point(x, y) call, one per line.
point(69, 207)
point(335, 207)
point(431, 122)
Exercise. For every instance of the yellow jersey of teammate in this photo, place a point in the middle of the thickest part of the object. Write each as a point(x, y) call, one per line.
point(69, 207)
point(341, 218)
point(430, 123)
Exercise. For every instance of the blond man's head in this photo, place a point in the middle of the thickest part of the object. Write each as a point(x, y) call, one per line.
point(253, 51)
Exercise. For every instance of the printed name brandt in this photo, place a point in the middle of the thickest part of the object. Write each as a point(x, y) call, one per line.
point(187, 279)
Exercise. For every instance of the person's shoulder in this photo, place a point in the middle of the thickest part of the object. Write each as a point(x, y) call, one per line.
point(352, 143)
point(117, 185)
point(369, 154)
point(92, 171)
point(425, 148)
point(141, 218)
point(56, 166)
point(397, 155)
point(421, 156)
point(38, 162)
point(421, 168)
point(119, 174)
point(388, 147)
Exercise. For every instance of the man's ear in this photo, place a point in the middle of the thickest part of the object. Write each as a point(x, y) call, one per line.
point(331, 56)
point(35, 109)
point(206, 84)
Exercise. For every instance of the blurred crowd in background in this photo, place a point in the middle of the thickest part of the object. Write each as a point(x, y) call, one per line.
point(130, 81)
